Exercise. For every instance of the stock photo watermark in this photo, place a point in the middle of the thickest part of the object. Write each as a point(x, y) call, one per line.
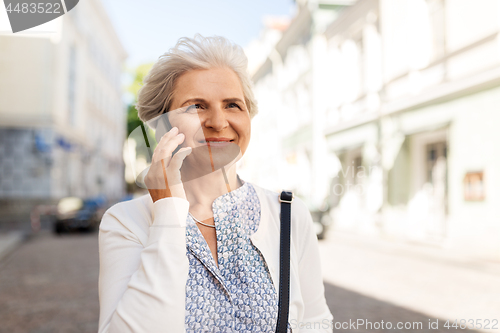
point(365, 324)
point(355, 179)
point(26, 14)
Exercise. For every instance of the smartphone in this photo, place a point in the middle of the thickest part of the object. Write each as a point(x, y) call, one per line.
point(176, 150)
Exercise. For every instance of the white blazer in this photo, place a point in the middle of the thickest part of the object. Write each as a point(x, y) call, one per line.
point(144, 267)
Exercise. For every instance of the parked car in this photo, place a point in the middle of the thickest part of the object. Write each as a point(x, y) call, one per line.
point(76, 214)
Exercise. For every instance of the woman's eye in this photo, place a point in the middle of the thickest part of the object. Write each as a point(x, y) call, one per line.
point(193, 108)
point(234, 105)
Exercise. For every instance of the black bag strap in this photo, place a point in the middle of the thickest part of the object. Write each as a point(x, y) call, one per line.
point(285, 199)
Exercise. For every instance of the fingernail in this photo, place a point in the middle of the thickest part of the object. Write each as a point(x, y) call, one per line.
point(174, 129)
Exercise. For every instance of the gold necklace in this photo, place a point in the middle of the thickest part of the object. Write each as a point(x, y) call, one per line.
point(196, 220)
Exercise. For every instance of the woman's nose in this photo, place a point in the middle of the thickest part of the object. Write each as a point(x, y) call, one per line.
point(216, 119)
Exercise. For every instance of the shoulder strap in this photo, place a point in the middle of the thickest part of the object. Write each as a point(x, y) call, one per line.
point(285, 199)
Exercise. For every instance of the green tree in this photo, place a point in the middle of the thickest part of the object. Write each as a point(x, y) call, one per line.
point(138, 73)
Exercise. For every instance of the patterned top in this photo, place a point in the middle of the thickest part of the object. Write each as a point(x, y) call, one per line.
point(239, 295)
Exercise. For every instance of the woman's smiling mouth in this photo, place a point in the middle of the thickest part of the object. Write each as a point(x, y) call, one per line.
point(216, 142)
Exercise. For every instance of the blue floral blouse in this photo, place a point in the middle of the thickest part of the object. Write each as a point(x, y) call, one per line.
point(239, 295)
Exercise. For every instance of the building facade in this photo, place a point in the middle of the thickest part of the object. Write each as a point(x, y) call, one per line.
point(62, 119)
point(289, 87)
point(406, 93)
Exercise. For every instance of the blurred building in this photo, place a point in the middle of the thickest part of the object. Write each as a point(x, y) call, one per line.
point(289, 149)
point(62, 119)
point(392, 118)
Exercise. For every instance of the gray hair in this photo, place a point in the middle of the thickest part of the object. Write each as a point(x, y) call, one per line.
point(156, 95)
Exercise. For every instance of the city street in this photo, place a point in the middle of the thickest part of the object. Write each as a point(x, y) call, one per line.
point(381, 115)
point(367, 278)
point(49, 284)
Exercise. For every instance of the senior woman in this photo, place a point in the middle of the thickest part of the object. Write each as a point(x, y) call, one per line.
point(200, 252)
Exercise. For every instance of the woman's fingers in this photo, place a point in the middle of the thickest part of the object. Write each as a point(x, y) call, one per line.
point(165, 151)
point(156, 178)
point(168, 143)
point(167, 136)
point(173, 132)
point(176, 162)
point(165, 181)
point(174, 174)
point(164, 177)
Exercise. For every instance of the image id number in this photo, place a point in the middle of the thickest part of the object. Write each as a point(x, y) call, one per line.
point(48, 8)
point(472, 324)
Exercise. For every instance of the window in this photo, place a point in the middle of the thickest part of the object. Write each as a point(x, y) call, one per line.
point(434, 151)
point(358, 170)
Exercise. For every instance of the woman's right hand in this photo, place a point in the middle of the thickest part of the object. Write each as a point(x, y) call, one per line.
point(163, 179)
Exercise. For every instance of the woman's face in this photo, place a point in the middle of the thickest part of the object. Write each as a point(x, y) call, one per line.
point(209, 107)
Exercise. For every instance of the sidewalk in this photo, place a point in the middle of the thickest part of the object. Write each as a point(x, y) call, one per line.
point(9, 241)
point(434, 282)
point(415, 250)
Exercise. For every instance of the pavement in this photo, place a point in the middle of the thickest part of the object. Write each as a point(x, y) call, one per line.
point(378, 280)
point(9, 242)
point(49, 285)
